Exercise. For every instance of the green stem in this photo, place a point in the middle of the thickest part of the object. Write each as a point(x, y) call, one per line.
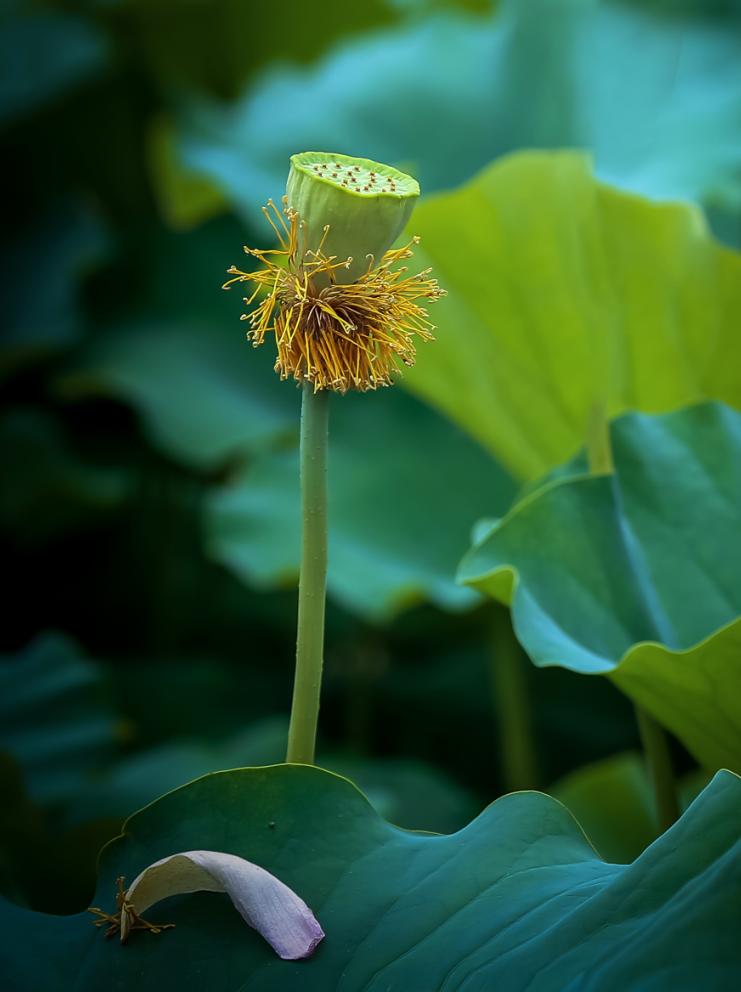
point(654, 740)
point(313, 576)
point(509, 674)
point(661, 773)
point(599, 448)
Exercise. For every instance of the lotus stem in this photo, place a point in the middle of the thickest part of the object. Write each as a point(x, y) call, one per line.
point(313, 576)
point(659, 765)
point(599, 448)
point(509, 675)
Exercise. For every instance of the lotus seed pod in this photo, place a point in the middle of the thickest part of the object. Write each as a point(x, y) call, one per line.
point(366, 206)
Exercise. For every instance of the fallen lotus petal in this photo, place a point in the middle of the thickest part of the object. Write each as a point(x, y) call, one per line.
point(274, 910)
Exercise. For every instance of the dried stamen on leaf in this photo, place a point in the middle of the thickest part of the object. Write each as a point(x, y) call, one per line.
point(114, 924)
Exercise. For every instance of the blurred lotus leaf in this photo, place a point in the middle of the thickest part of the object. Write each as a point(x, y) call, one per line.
point(177, 353)
point(204, 395)
point(404, 486)
point(615, 806)
point(536, 74)
point(170, 36)
point(44, 55)
point(409, 793)
point(186, 198)
point(56, 720)
point(563, 295)
point(134, 780)
point(42, 272)
point(638, 575)
point(50, 489)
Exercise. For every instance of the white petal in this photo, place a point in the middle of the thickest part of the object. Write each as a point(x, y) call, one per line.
point(274, 910)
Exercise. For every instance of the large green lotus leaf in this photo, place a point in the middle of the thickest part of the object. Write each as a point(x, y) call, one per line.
point(553, 279)
point(448, 93)
point(396, 527)
point(638, 575)
point(517, 900)
point(56, 721)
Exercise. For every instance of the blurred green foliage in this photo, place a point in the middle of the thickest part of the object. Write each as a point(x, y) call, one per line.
point(395, 531)
point(148, 509)
point(655, 100)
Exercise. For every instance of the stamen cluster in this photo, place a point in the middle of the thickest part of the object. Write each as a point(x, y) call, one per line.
point(336, 335)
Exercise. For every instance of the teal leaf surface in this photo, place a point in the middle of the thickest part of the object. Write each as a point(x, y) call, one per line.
point(517, 900)
point(638, 575)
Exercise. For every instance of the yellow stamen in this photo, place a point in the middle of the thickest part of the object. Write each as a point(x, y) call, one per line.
point(337, 336)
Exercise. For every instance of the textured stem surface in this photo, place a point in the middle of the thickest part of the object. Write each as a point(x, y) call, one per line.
point(313, 577)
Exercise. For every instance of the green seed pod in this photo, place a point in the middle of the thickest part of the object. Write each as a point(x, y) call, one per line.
point(365, 204)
